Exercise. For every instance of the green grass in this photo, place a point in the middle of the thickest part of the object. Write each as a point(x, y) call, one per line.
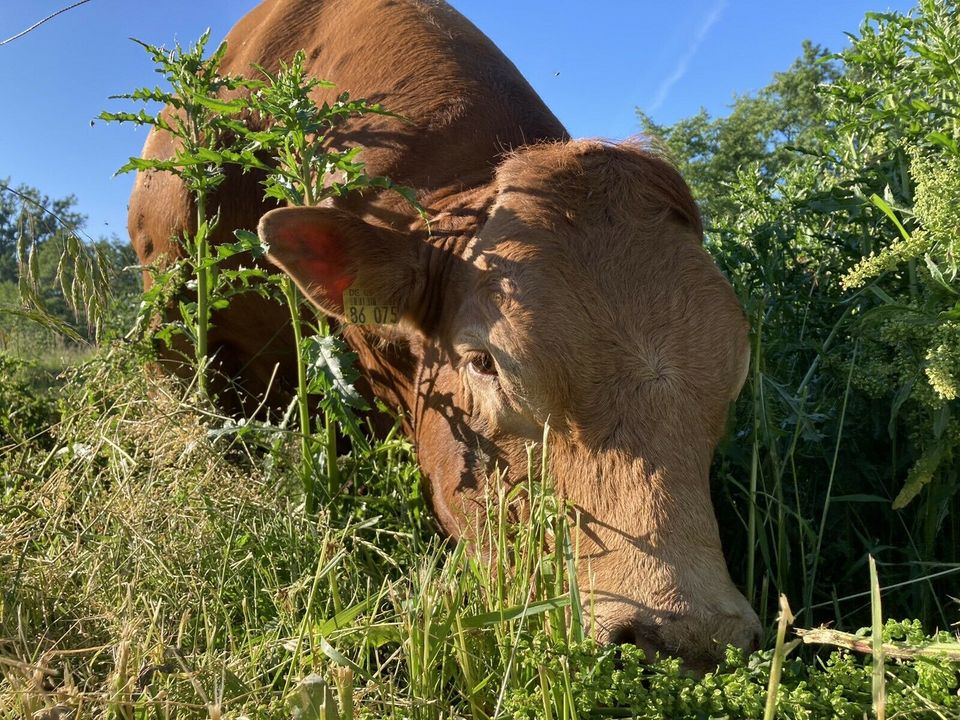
point(157, 560)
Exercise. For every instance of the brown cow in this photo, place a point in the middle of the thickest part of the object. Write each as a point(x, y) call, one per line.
point(557, 281)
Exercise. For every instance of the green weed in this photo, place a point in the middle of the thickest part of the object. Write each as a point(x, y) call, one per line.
point(830, 201)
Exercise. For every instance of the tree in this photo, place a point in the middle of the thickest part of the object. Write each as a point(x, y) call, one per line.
point(830, 201)
point(760, 130)
point(30, 218)
point(50, 277)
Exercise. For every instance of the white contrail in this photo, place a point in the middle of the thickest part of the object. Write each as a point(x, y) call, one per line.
point(667, 85)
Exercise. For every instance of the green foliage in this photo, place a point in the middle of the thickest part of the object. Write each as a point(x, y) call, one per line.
point(180, 538)
point(28, 408)
point(272, 125)
point(204, 126)
point(161, 561)
point(204, 122)
point(295, 132)
point(831, 202)
point(188, 544)
point(613, 682)
point(897, 107)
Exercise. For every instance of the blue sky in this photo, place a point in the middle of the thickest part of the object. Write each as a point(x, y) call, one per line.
point(593, 62)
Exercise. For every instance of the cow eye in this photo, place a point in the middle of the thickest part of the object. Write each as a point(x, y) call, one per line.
point(481, 363)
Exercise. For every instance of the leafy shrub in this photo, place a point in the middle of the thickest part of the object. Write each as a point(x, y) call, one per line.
point(28, 401)
point(831, 203)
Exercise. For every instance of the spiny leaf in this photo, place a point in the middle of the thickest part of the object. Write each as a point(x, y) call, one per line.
point(330, 369)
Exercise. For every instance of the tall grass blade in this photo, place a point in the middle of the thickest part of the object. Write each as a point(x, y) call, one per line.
point(779, 654)
point(878, 684)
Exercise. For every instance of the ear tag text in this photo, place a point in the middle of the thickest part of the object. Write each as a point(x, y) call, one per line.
point(362, 308)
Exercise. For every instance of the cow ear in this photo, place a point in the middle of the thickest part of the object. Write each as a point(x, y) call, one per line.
point(345, 266)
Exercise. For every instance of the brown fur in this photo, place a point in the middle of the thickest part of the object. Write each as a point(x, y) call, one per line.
point(577, 266)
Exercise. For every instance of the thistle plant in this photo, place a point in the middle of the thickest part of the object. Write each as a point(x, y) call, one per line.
point(294, 135)
point(287, 139)
point(205, 127)
point(305, 170)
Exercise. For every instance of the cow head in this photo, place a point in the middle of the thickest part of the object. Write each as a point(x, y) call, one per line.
point(582, 298)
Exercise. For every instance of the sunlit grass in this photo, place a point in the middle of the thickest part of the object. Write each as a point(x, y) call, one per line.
point(157, 561)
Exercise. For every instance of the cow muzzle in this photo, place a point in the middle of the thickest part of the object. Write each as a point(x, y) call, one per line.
point(698, 637)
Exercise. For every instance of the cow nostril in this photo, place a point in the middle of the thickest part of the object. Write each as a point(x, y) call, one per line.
point(643, 637)
point(623, 635)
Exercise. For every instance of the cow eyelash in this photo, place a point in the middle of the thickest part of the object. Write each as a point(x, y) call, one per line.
point(480, 363)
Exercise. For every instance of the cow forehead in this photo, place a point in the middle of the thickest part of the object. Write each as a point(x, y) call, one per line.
point(595, 297)
point(586, 212)
point(586, 181)
point(534, 263)
point(553, 299)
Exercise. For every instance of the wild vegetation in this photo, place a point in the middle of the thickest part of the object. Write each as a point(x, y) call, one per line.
point(161, 559)
point(831, 202)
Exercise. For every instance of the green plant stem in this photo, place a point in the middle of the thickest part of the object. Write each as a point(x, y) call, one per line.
point(876, 636)
point(754, 465)
point(203, 292)
point(779, 654)
point(826, 501)
point(330, 448)
point(305, 620)
point(303, 408)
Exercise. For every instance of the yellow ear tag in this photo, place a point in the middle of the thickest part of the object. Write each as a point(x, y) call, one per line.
point(362, 308)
